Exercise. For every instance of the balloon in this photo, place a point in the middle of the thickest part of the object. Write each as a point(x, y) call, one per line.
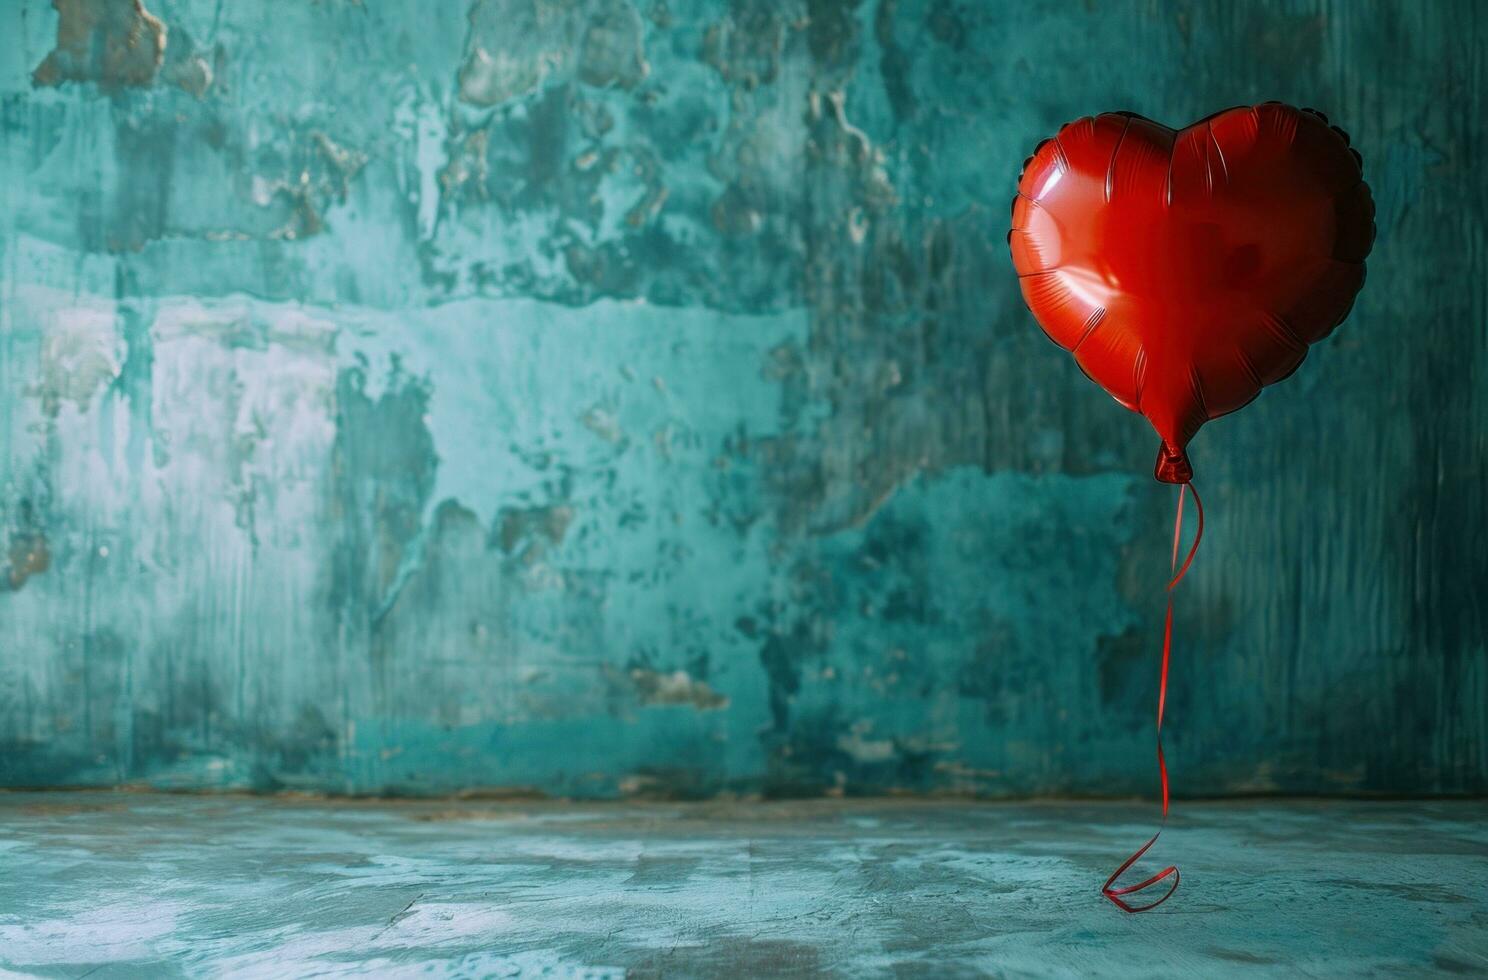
point(1185, 270)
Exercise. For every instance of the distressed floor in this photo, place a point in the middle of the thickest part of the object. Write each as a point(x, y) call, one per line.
point(118, 884)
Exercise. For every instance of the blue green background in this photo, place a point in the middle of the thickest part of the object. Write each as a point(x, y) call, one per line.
point(597, 398)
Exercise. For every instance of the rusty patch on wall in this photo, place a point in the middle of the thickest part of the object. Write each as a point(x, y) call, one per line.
point(120, 44)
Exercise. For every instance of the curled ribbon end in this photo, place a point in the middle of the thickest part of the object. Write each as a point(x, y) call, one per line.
point(1172, 465)
point(1113, 895)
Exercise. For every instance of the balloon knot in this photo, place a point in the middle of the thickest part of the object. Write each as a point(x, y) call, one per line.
point(1173, 465)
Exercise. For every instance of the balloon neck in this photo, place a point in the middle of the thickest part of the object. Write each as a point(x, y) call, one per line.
point(1173, 465)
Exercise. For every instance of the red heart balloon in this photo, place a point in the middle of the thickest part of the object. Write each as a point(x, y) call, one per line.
point(1185, 270)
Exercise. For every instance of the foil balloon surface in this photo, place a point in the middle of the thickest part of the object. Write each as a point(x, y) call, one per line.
point(1187, 269)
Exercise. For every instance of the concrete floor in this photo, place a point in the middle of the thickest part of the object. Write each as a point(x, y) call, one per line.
point(120, 884)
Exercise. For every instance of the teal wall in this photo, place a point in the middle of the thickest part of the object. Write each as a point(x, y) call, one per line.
point(605, 398)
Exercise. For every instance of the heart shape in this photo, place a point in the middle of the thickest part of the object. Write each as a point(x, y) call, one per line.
point(1185, 270)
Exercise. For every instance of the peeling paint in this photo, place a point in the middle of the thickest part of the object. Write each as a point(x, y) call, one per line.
point(613, 51)
point(79, 357)
point(120, 44)
point(677, 687)
point(116, 43)
point(517, 46)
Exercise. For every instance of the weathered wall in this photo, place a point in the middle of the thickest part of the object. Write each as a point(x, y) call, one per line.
point(606, 399)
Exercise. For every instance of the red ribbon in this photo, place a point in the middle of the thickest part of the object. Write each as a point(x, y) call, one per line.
point(1109, 889)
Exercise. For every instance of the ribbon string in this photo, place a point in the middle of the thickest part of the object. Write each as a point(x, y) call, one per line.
point(1117, 894)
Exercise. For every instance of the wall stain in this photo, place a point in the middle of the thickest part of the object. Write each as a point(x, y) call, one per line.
point(28, 555)
point(529, 531)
